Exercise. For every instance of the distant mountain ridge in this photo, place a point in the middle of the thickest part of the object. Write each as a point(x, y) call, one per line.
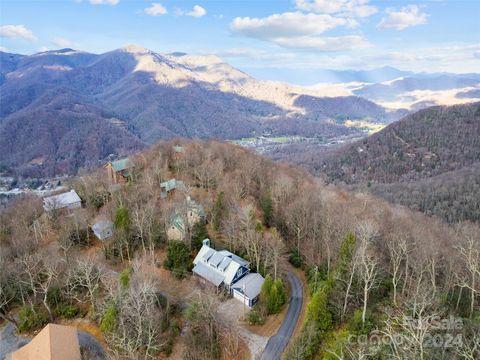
point(55, 102)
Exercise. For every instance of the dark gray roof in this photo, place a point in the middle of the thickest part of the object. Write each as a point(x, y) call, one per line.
point(250, 285)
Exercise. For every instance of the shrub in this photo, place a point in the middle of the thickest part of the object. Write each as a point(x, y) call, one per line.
point(67, 311)
point(54, 296)
point(29, 319)
point(124, 277)
point(295, 259)
point(122, 219)
point(109, 319)
point(255, 318)
point(335, 345)
point(98, 199)
point(357, 327)
point(315, 276)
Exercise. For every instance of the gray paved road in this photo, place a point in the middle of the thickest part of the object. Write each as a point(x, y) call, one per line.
point(277, 343)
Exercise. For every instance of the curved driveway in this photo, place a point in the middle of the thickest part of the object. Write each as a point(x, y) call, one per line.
point(277, 343)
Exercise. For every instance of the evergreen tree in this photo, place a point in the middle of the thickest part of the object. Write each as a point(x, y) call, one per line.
point(218, 211)
point(199, 233)
point(267, 208)
point(122, 219)
point(178, 258)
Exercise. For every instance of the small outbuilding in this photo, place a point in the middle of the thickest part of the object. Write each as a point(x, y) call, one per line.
point(168, 187)
point(67, 200)
point(54, 342)
point(103, 229)
point(248, 288)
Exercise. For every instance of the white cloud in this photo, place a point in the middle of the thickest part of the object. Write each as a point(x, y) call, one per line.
point(197, 11)
point(297, 30)
point(43, 49)
point(407, 16)
point(104, 2)
point(17, 32)
point(358, 8)
point(155, 9)
point(62, 42)
point(318, 43)
point(4, 49)
point(255, 54)
point(289, 24)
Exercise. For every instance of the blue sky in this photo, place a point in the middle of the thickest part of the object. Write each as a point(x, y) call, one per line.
point(265, 38)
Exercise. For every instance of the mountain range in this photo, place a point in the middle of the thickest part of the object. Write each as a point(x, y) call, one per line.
point(65, 109)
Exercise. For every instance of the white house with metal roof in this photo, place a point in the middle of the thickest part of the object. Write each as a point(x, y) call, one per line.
point(67, 200)
point(225, 269)
point(221, 268)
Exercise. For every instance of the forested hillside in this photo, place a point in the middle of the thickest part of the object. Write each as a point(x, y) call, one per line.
point(428, 161)
point(427, 143)
point(378, 274)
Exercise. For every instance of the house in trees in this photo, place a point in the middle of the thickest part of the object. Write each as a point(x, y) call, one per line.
point(66, 200)
point(186, 214)
point(176, 227)
point(54, 342)
point(103, 229)
point(248, 288)
point(178, 152)
point(195, 211)
point(168, 187)
point(119, 171)
point(223, 269)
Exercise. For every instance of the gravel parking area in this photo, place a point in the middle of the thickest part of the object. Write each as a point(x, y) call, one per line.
point(233, 310)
